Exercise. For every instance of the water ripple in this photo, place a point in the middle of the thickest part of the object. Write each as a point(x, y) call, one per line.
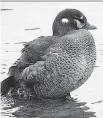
point(45, 109)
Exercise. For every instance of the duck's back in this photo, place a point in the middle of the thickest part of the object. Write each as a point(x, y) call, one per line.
point(67, 64)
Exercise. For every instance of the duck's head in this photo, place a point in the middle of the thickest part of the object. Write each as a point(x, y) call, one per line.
point(68, 20)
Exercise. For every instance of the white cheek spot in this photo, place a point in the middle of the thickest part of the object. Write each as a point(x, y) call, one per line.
point(81, 17)
point(79, 24)
point(65, 20)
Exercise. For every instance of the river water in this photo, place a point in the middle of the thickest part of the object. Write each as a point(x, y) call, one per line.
point(16, 19)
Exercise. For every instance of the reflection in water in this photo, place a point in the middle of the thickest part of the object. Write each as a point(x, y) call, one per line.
point(17, 108)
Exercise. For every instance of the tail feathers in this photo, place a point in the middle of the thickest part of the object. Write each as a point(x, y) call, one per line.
point(7, 84)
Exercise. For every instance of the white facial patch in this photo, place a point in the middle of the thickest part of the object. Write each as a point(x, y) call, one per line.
point(64, 20)
point(79, 24)
point(81, 17)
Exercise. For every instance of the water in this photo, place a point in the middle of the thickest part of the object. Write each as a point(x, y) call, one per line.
point(21, 16)
point(45, 109)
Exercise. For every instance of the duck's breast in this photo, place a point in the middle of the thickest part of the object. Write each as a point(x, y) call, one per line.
point(68, 65)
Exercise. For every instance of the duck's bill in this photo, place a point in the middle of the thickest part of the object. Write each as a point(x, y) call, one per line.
point(88, 26)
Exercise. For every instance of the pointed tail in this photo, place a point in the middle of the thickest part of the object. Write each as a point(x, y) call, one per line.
point(7, 84)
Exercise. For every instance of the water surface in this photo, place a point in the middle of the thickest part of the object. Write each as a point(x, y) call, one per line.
point(17, 108)
point(17, 27)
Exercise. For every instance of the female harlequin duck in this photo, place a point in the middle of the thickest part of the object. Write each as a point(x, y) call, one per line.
point(53, 66)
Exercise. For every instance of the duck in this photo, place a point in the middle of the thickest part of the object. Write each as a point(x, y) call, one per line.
point(53, 66)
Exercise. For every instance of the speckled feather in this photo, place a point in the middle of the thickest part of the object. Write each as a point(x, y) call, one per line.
point(53, 66)
point(66, 65)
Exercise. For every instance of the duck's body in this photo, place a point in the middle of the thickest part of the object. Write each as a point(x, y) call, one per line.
point(66, 65)
point(54, 66)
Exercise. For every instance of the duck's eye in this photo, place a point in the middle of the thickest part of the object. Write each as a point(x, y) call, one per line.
point(64, 20)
